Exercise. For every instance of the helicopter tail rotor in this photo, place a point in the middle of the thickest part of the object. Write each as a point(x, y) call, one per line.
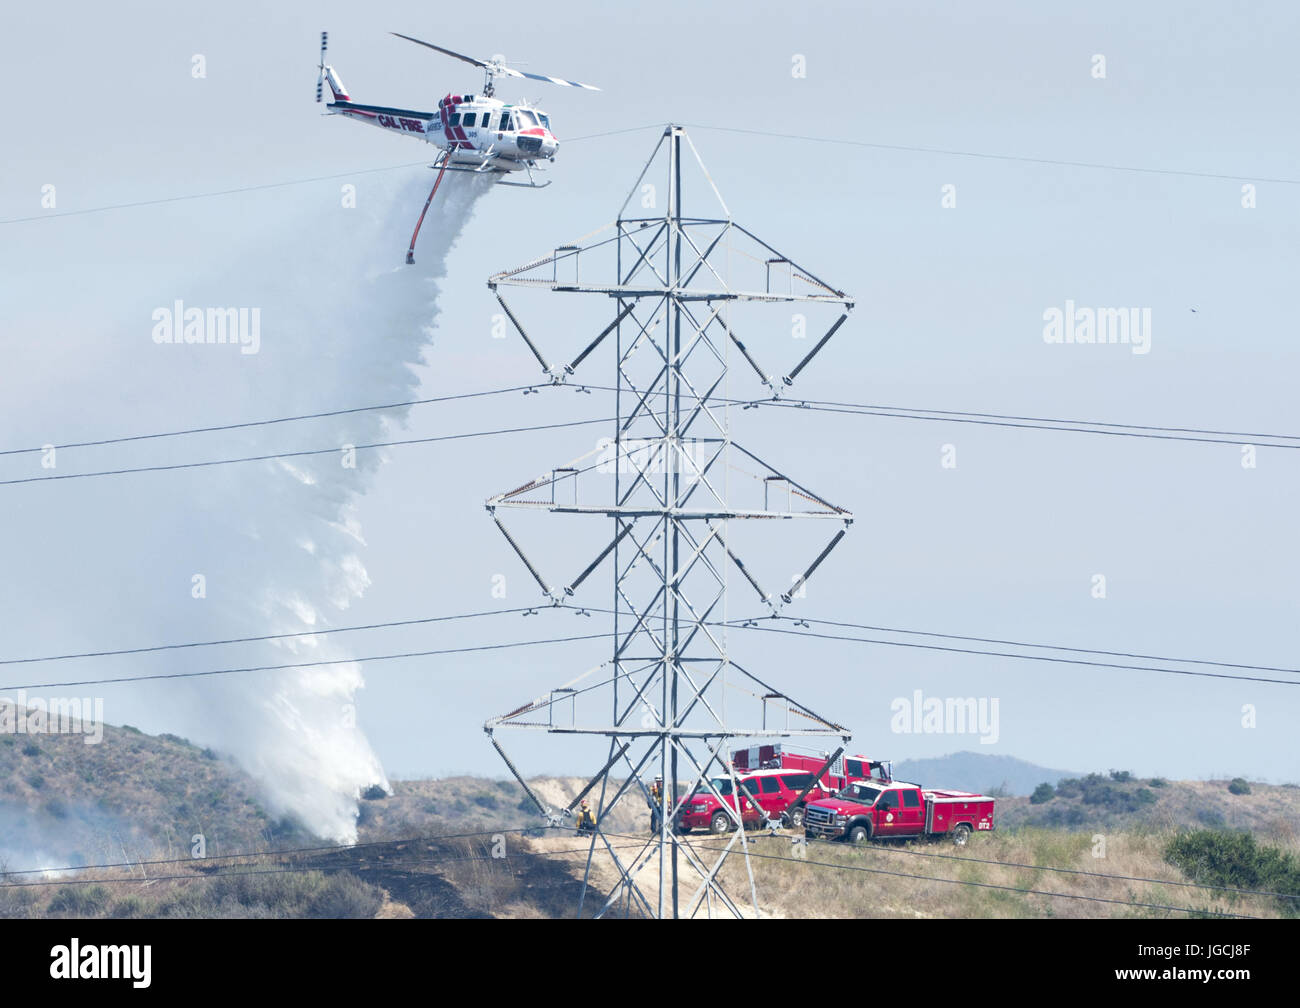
point(320, 77)
point(328, 75)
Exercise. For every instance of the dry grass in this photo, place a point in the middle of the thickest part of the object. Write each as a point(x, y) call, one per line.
point(794, 888)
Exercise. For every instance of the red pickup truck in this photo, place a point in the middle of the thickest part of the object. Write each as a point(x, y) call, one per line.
point(774, 779)
point(870, 810)
point(773, 790)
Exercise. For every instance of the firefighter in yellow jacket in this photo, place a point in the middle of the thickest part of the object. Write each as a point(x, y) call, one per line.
point(656, 802)
point(586, 819)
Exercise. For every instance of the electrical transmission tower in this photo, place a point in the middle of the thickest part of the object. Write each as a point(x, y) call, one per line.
point(670, 701)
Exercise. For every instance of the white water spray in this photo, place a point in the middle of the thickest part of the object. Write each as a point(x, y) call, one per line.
point(242, 550)
point(349, 337)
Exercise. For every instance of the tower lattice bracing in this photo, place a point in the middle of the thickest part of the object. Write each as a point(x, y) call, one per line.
point(670, 702)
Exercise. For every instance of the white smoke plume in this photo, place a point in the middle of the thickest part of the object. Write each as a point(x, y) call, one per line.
point(286, 530)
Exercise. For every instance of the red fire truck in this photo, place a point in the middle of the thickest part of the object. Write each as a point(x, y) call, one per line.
point(870, 810)
point(774, 786)
point(838, 775)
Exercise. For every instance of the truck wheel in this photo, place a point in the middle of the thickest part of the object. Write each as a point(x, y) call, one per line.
point(720, 823)
point(796, 817)
point(859, 835)
point(960, 834)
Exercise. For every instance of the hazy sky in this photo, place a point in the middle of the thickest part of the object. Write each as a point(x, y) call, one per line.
point(1199, 553)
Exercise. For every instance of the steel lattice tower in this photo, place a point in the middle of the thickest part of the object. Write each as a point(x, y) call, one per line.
point(667, 700)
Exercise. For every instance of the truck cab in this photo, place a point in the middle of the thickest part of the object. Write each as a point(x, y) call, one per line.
point(764, 795)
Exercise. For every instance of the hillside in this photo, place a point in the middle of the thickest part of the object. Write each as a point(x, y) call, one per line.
point(1121, 801)
point(130, 797)
point(473, 847)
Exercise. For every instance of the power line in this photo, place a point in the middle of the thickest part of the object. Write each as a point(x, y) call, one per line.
point(1025, 657)
point(617, 132)
point(263, 423)
point(323, 849)
point(430, 838)
point(295, 869)
point(988, 885)
point(992, 885)
point(1012, 643)
point(1152, 431)
point(815, 405)
point(265, 637)
point(1049, 420)
point(1098, 428)
point(266, 185)
point(311, 664)
point(1066, 871)
point(301, 454)
point(992, 157)
point(207, 195)
point(740, 624)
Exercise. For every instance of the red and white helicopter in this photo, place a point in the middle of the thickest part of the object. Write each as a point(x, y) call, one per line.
point(477, 133)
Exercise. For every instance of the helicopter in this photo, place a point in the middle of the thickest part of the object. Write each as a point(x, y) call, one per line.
point(475, 133)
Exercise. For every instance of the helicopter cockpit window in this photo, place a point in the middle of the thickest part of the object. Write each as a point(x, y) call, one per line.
point(506, 124)
point(526, 119)
point(546, 120)
point(454, 120)
point(469, 119)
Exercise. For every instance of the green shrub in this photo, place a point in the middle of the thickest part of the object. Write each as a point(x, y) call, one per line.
point(1157, 782)
point(31, 749)
point(487, 801)
point(1218, 857)
point(1071, 787)
point(79, 901)
point(1121, 776)
point(1239, 785)
point(128, 906)
point(1042, 794)
point(345, 895)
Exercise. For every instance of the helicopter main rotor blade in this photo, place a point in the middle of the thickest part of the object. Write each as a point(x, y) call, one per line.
point(510, 71)
point(446, 52)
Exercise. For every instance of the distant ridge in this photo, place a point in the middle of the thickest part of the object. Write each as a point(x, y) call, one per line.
point(984, 772)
